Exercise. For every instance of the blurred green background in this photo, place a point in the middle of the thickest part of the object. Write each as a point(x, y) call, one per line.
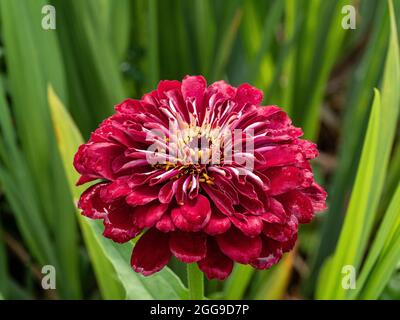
point(296, 51)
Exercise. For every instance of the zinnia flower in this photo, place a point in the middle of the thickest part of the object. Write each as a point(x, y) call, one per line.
point(211, 212)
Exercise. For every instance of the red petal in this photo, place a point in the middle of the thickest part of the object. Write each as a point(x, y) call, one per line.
point(142, 195)
point(275, 156)
point(118, 223)
point(239, 247)
point(188, 246)
point(194, 87)
point(193, 215)
point(111, 130)
point(268, 111)
point(271, 253)
point(180, 195)
point(95, 159)
point(146, 216)
point(224, 185)
point(220, 199)
point(277, 119)
point(84, 179)
point(167, 85)
point(284, 179)
point(128, 106)
point(218, 224)
point(223, 88)
point(151, 253)
point(281, 232)
point(317, 196)
point(91, 204)
point(248, 94)
point(252, 205)
point(215, 265)
point(298, 204)
point(288, 245)
point(276, 213)
point(250, 225)
point(166, 192)
point(165, 224)
point(116, 189)
point(309, 149)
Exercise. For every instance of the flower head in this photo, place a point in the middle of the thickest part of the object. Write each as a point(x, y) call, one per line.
point(205, 173)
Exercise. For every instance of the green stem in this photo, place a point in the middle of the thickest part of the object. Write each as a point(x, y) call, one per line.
point(195, 282)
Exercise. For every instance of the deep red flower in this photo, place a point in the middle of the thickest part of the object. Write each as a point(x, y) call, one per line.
point(206, 212)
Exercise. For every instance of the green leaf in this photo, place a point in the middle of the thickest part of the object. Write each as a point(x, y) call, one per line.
point(256, 40)
point(271, 22)
point(94, 79)
point(136, 285)
point(276, 280)
point(227, 38)
point(16, 180)
point(365, 77)
point(388, 234)
point(33, 57)
point(237, 282)
point(205, 34)
point(119, 26)
point(368, 186)
point(361, 205)
point(153, 55)
point(326, 51)
point(384, 255)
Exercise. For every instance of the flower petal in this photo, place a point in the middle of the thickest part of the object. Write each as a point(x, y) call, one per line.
point(317, 196)
point(118, 223)
point(276, 212)
point(252, 205)
point(151, 253)
point(221, 87)
point(95, 159)
point(250, 225)
point(215, 265)
point(220, 199)
point(166, 193)
point(275, 156)
point(188, 247)
point(239, 247)
point(141, 195)
point(271, 253)
point(91, 204)
point(116, 189)
point(218, 224)
point(194, 87)
point(284, 179)
point(165, 224)
point(192, 215)
point(247, 94)
point(167, 85)
point(147, 215)
point(128, 106)
point(281, 232)
point(298, 204)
